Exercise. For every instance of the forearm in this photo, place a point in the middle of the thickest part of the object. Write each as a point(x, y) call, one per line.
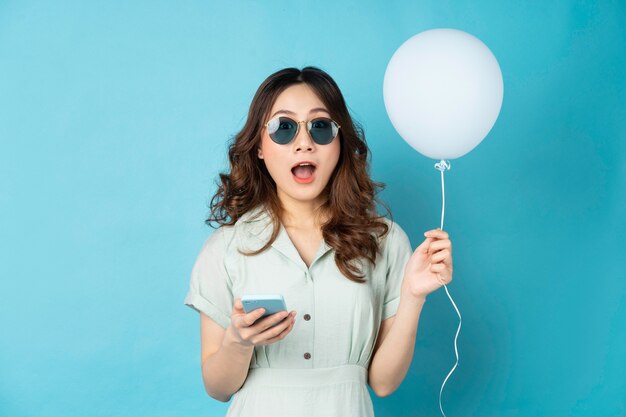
point(393, 358)
point(225, 371)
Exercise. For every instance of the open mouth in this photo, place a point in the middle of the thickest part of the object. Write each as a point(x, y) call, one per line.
point(303, 171)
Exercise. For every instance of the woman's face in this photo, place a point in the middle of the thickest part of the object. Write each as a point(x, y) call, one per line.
point(299, 102)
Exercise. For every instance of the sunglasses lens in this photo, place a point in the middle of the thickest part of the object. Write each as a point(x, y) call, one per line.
point(282, 129)
point(323, 130)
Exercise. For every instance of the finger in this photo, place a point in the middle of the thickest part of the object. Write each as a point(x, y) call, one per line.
point(280, 331)
point(272, 332)
point(440, 279)
point(237, 305)
point(423, 247)
point(440, 244)
point(437, 267)
point(250, 318)
point(439, 256)
point(436, 233)
point(271, 320)
point(443, 280)
point(282, 334)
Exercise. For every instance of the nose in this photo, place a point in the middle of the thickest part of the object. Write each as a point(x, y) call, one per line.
point(303, 140)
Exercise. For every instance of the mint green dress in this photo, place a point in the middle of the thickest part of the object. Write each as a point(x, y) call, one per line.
point(320, 367)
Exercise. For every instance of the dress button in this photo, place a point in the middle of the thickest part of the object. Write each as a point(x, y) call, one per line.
point(307, 317)
point(307, 355)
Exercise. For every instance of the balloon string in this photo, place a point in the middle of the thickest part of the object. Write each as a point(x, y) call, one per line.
point(442, 166)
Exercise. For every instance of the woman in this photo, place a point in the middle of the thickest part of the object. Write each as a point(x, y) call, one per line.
point(297, 215)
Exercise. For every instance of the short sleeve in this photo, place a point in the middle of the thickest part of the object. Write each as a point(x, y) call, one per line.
point(398, 249)
point(210, 287)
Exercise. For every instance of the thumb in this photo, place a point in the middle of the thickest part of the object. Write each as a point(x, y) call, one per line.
point(238, 305)
point(423, 247)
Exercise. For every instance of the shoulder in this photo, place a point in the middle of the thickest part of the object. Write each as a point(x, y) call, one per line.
point(218, 241)
point(395, 235)
point(395, 244)
point(251, 227)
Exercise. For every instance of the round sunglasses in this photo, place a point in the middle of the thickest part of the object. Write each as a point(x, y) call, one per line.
point(282, 129)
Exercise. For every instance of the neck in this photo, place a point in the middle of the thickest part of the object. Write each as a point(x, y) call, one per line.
point(301, 214)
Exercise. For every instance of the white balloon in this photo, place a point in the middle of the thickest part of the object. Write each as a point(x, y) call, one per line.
point(443, 92)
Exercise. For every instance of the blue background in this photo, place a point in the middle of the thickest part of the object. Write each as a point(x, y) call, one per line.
point(114, 120)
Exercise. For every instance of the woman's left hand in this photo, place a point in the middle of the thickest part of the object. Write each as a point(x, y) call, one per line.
point(430, 266)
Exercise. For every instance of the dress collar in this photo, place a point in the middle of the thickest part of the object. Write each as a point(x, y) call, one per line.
point(258, 225)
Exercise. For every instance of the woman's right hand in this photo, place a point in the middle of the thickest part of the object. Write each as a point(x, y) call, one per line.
point(248, 330)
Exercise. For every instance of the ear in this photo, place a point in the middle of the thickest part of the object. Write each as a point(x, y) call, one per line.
point(259, 153)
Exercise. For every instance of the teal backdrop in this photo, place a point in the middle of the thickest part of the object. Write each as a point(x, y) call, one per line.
point(114, 119)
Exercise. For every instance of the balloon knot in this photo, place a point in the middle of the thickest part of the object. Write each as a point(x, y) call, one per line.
point(442, 165)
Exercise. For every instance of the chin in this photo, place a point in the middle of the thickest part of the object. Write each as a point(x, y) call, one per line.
point(310, 194)
point(306, 196)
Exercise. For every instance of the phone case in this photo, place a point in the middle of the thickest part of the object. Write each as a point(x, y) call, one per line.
point(272, 303)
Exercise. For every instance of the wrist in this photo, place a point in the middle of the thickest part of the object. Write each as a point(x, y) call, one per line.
point(230, 341)
point(412, 294)
point(413, 299)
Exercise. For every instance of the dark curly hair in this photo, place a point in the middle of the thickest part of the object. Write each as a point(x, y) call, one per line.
point(353, 228)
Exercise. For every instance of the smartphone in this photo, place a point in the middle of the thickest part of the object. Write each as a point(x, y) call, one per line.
point(272, 303)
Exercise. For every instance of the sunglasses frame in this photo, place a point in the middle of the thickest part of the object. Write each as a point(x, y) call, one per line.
point(308, 128)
